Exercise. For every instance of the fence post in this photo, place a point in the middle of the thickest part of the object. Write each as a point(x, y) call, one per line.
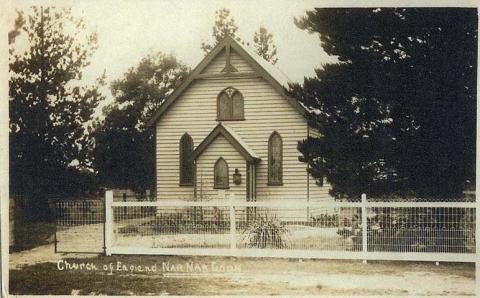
point(233, 236)
point(108, 222)
point(364, 227)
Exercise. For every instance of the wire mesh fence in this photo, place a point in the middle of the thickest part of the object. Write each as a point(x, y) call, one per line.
point(421, 229)
point(80, 226)
point(292, 226)
point(402, 227)
point(209, 227)
point(171, 227)
point(301, 228)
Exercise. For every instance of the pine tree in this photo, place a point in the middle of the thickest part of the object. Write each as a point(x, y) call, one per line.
point(49, 108)
point(397, 113)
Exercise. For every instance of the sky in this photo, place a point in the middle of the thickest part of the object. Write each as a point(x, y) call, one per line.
point(129, 31)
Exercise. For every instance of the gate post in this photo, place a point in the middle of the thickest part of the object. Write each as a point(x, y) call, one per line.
point(233, 237)
point(108, 222)
point(364, 227)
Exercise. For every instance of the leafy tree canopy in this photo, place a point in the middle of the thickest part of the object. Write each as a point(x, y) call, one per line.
point(263, 43)
point(397, 113)
point(225, 25)
point(124, 150)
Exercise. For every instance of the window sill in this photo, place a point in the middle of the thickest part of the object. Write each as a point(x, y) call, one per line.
point(216, 187)
point(275, 184)
point(239, 119)
point(185, 184)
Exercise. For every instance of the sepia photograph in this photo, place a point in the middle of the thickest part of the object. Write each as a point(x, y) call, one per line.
point(241, 148)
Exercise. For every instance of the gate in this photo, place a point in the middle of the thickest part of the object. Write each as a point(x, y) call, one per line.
point(365, 230)
point(80, 226)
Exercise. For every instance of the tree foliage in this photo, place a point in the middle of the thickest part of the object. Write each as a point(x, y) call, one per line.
point(124, 148)
point(49, 108)
point(17, 27)
point(397, 113)
point(264, 46)
point(225, 26)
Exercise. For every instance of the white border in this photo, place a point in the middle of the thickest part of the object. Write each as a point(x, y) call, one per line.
point(6, 10)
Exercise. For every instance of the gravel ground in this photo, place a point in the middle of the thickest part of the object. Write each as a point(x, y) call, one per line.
point(258, 276)
point(41, 254)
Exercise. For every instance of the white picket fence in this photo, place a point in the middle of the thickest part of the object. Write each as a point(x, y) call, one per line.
point(413, 231)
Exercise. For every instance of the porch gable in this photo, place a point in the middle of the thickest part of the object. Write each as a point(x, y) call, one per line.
point(248, 154)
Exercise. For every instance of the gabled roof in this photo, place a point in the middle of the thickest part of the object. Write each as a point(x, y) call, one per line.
point(268, 71)
point(271, 69)
point(234, 139)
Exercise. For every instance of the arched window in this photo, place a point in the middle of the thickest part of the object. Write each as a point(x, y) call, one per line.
point(220, 172)
point(230, 105)
point(186, 165)
point(275, 159)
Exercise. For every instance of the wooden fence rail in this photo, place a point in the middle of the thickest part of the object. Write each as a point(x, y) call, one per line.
point(296, 228)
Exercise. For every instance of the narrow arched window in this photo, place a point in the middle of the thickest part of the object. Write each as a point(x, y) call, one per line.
point(220, 171)
point(230, 105)
point(186, 165)
point(275, 159)
point(237, 106)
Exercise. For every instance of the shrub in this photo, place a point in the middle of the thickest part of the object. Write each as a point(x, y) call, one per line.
point(189, 221)
point(29, 235)
point(219, 219)
point(172, 222)
point(418, 229)
point(325, 220)
point(352, 229)
point(128, 229)
point(265, 231)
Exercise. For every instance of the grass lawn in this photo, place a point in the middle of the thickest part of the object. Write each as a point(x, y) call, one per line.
point(176, 275)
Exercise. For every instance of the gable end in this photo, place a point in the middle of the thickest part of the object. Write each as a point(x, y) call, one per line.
point(227, 43)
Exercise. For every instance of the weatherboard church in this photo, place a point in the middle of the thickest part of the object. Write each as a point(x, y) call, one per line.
point(231, 128)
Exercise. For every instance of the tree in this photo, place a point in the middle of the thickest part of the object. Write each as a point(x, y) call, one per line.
point(397, 113)
point(264, 47)
point(124, 148)
point(17, 26)
point(224, 25)
point(49, 107)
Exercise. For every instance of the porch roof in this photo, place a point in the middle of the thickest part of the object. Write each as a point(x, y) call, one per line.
point(232, 137)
